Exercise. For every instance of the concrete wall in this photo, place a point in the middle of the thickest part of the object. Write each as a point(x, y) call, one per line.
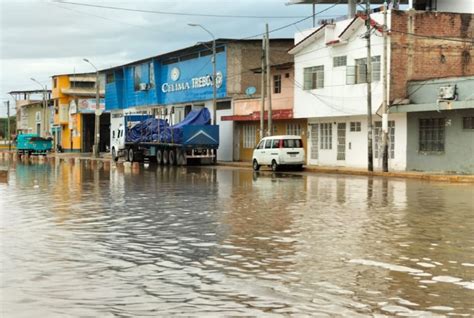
point(459, 144)
point(420, 56)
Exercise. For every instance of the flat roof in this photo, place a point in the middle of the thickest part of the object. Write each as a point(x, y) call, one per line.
point(32, 91)
point(339, 1)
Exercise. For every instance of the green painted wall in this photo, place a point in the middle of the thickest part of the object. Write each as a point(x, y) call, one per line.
point(459, 144)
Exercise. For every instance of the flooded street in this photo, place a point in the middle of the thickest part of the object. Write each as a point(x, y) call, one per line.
point(218, 241)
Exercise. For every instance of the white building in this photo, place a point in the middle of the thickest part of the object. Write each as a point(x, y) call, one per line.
point(331, 92)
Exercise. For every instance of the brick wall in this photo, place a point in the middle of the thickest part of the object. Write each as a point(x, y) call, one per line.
point(420, 57)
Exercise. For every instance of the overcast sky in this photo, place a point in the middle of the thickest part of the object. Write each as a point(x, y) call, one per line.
point(40, 38)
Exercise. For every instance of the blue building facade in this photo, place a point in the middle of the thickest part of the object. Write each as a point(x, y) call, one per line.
point(166, 80)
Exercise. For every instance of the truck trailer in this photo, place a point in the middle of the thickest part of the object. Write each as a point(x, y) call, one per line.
point(139, 137)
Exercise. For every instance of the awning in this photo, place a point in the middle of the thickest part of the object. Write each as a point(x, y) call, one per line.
point(442, 105)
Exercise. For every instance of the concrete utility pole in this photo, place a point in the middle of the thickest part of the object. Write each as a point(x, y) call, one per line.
point(44, 128)
point(385, 93)
point(370, 158)
point(262, 99)
point(269, 82)
point(7, 103)
point(95, 148)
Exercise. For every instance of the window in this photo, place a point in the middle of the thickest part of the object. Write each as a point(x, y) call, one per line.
point(357, 74)
point(151, 75)
point(55, 82)
point(314, 141)
point(137, 77)
point(431, 134)
point(326, 136)
point(355, 126)
point(261, 144)
point(268, 144)
point(313, 77)
point(468, 123)
point(276, 143)
point(293, 129)
point(339, 61)
point(249, 136)
point(277, 84)
point(378, 145)
point(292, 143)
point(109, 78)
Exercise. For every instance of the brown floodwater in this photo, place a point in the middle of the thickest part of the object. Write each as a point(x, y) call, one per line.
point(82, 241)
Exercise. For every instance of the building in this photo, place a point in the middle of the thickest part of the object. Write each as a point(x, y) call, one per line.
point(331, 77)
point(74, 98)
point(170, 85)
point(440, 125)
point(246, 116)
point(30, 111)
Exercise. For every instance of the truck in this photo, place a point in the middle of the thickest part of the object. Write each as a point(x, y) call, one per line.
point(33, 144)
point(142, 137)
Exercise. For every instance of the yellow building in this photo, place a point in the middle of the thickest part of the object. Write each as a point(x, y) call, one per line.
point(74, 98)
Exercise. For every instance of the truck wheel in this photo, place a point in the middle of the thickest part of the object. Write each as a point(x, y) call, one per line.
point(255, 165)
point(172, 159)
point(114, 154)
point(131, 155)
point(159, 157)
point(181, 158)
point(274, 166)
point(165, 157)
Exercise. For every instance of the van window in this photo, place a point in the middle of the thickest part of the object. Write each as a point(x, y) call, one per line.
point(261, 144)
point(268, 143)
point(292, 143)
point(276, 143)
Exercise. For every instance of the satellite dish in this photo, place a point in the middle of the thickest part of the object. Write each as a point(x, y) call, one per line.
point(250, 90)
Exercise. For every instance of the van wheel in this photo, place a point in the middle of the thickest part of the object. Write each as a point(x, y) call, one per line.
point(114, 154)
point(172, 159)
point(255, 165)
point(274, 166)
point(165, 157)
point(131, 155)
point(159, 157)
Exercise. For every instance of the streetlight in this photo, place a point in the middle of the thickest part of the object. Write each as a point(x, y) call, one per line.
point(95, 148)
point(45, 106)
point(214, 79)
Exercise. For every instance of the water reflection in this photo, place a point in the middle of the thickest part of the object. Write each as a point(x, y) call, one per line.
point(82, 240)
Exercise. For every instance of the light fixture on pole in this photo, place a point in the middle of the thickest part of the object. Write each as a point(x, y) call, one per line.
point(95, 148)
point(44, 129)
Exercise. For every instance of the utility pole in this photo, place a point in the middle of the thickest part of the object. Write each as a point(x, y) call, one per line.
point(7, 103)
point(269, 82)
point(45, 106)
point(385, 93)
point(95, 148)
point(369, 92)
point(262, 88)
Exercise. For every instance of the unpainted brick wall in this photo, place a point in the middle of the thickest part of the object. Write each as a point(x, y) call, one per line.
point(421, 56)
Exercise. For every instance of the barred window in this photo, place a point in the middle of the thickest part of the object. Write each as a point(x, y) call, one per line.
point(249, 134)
point(468, 123)
point(339, 61)
point(293, 129)
point(357, 74)
point(431, 134)
point(355, 126)
point(326, 136)
point(313, 77)
point(378, 151)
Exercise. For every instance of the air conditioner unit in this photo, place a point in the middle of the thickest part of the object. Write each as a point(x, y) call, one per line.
point(447, 92)
point(143, 86)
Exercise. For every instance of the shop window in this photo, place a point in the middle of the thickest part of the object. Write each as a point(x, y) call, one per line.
point(277, 84)
point(431, 134)
point(326, 136)
point(249, 134)
point(355, 126)
point(468, 123)
point(313, 77)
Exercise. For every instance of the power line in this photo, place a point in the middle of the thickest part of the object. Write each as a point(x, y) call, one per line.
point(207, 15)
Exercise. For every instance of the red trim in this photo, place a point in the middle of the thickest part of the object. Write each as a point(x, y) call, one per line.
point(255, 116)
point(333, 42)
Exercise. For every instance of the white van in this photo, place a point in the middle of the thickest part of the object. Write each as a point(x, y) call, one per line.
point(276, 151)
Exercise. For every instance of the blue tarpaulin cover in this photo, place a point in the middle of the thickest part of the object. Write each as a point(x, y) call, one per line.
point(174, 134)
point(153, 129)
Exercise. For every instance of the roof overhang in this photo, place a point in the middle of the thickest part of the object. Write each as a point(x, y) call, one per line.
point(338, 1)
point(439, 106)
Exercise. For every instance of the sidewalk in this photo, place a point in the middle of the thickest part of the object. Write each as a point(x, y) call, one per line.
point(430, 176)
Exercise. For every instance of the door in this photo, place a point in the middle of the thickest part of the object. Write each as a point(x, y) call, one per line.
point(341, 141)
